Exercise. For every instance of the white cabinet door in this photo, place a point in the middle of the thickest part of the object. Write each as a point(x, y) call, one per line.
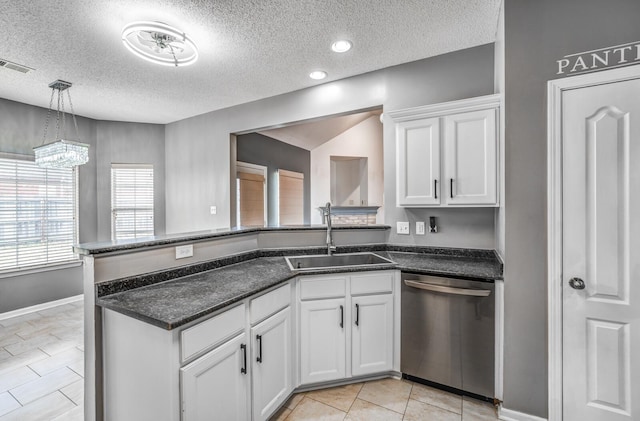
point(271, 361)
point(216, 385)
point(470, 158)
point(418, 162)
point(372, 334)
point(322, 340)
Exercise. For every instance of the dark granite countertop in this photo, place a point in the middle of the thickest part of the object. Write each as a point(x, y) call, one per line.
point(169, 302)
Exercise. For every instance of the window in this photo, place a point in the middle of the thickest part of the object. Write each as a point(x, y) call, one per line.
point(37, 214)
point(251, 193)
point(291, 197)
point(131, 201)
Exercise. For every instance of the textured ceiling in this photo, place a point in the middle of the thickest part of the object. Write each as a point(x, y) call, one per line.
point(249, 49)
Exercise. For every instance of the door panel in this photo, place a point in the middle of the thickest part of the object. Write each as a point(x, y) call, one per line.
point(323, 340)
point(601, 333)
point(607, 200)
point(214, 386)
point(470, 149)
point(418, 160)
point(373, 335)
point(272, 373)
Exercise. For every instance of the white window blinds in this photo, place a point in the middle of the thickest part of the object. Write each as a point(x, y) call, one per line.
point(131, 201)
point(37, 214)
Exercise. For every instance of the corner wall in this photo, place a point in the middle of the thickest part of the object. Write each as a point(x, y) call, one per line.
point(537, 33)
point(197, 149)
point(21, 128)
point(365, 140)
point(262, 150)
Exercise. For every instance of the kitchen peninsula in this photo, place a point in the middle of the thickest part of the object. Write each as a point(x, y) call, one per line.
point(147, 311)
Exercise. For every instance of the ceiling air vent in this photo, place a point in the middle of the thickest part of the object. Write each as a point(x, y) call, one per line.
point(14, 66)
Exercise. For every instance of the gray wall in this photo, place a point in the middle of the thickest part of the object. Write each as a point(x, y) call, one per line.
point(128, 143)
point(198, 149)
point(255, 148)
point(21, 128)
point(537, 33)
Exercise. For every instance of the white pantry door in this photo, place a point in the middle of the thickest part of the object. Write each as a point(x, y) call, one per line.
point(601, 252)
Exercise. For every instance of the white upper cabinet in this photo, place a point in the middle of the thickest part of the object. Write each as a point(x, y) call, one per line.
point(470, 151)
point(418, 154)
point(460, 135)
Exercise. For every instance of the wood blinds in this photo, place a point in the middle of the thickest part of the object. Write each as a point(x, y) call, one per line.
point(291, 200)
point(251, 199)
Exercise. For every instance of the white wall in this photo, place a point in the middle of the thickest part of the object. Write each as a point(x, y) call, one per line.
point(363, 139)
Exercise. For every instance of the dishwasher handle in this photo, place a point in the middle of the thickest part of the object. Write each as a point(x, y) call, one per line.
point(448, 290)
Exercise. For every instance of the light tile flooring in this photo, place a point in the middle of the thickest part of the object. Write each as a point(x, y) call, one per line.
point(41, 365)
point(384, 400)
point(42, 370)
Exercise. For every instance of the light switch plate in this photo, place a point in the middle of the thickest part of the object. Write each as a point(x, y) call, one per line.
point(403, 228)
point(184, 251)
point(420, 228)
point(213, 210)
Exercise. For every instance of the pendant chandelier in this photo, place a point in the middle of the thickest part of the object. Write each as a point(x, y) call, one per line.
point(61, 153)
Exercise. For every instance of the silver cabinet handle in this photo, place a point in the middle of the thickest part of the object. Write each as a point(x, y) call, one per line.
point(448, 290)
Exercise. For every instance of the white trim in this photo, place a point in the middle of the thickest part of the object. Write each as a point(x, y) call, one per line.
point(251, 168)
point(554, 218)
point(499, 340)
point(511, 415)
point(445, 108)
point(40, 307)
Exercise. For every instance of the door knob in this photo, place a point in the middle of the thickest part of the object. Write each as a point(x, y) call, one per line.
point(576, 283)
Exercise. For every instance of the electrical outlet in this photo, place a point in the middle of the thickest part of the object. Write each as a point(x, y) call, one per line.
point(420, 228)
point(184, 251)
point(213, 210)
point(403, 228)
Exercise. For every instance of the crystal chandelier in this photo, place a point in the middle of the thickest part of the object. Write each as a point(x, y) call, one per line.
point(61, 153)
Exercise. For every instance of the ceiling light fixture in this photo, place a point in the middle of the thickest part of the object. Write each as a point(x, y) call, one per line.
point(318, 74)
point(61, 153)
point(159, 43)
point(341, 46)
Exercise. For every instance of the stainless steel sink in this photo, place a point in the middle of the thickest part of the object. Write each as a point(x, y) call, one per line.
point(347, 260)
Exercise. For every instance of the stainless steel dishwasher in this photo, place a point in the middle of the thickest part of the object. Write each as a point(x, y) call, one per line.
point(448, 331)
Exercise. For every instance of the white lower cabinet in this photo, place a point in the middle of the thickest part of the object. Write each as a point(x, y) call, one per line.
point(216, 385)
point(322, 340)
point(243, 363)
point(372, 334)
point(351, 335)
point(247, 377)
point(271, 364)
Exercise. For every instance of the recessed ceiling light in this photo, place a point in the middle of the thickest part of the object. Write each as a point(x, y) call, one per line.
point(341, 46)
point(318, 74)
point(159, 43)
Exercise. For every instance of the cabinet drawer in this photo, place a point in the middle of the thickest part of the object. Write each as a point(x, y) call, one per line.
point(211, 332)
point(270, 303)
point(372, 283)
point(323, 287)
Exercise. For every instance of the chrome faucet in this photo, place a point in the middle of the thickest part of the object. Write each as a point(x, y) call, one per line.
point(326, 214)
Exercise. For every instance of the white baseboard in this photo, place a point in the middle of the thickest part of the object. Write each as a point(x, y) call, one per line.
point(39, 307)
point(511, 415)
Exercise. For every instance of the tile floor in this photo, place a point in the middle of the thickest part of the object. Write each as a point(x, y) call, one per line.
point(42, 370)
point(42, 365)
point(384, 400)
